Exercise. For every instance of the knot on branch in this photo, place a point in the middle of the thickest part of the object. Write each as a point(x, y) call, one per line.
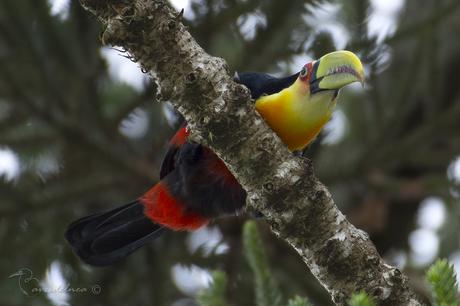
point(241, 93)
point(171, 25)
point(393, 276)
point(381, 292)
point(268, 186)
point(190, 78)
point(319, 196)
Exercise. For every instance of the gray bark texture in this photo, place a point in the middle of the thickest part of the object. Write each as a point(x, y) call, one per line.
point(221, 115)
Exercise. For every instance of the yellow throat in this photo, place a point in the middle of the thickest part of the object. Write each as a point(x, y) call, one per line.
point(294, 117)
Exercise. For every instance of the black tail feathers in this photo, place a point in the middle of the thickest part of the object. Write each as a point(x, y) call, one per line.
point(105, 238)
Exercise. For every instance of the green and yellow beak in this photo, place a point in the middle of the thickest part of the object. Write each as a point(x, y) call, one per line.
point(335, 70)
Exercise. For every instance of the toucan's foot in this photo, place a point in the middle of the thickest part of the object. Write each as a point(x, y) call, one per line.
point(298, 153)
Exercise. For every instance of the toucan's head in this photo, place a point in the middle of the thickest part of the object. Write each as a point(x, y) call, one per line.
point(332, 72)
point(298, 112)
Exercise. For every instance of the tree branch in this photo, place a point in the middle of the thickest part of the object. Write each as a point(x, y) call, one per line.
point(221, 115)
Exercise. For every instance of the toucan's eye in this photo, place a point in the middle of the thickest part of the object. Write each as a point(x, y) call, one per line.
point(303, 72)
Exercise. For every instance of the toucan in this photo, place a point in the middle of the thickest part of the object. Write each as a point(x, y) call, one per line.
point(195, 186)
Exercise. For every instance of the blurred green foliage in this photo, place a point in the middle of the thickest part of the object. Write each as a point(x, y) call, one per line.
point(298, 301)
point(267, 292)
point(215, 294)
point(361, 299)
point(443, 284)
point(61, 112)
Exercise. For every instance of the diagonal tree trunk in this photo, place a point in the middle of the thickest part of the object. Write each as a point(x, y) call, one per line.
point(221, 115)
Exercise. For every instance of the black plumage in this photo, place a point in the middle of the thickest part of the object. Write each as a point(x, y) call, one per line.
point(264, 84)
point(202, 182)
point(105, 238)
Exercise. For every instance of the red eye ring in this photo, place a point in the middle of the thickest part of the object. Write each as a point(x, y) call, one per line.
point(305, 73)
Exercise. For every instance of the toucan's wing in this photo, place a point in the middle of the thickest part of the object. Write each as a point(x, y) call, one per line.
point(263, 84)
point(169, 161)
point(202, 183)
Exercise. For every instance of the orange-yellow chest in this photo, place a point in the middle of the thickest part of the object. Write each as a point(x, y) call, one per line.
point(294, 116)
